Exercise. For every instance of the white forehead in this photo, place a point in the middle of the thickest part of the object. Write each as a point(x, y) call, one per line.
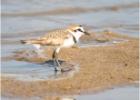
point(82, 29)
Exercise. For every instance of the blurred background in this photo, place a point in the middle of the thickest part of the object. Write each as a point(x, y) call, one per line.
point(25, 18)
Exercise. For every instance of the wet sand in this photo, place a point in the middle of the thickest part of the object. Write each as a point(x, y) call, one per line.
point(100, 68)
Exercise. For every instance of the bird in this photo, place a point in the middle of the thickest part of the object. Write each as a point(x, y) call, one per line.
point(58, 38)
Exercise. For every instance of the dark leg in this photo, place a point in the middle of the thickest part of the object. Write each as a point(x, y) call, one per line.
point(55, 58)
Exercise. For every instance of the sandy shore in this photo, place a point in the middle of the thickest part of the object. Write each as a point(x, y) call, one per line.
point(100, 68)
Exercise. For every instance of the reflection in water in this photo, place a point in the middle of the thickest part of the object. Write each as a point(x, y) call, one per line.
point(26, 71)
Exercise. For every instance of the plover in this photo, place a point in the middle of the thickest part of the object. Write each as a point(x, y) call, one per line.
point(59, 38)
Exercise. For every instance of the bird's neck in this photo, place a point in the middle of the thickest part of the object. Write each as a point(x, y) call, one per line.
point(76, 35)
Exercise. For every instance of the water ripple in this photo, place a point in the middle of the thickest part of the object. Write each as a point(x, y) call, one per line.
point(70, 10)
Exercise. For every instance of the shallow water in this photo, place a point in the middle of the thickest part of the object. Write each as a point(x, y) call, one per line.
point(26, 71)
point(26, 17)
point(122, 93)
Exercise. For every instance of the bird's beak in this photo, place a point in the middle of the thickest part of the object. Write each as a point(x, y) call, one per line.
point(86, 33)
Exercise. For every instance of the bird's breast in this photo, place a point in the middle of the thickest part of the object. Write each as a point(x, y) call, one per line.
point(68, 42)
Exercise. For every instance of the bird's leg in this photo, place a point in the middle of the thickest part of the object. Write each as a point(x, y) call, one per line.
point(55, 58)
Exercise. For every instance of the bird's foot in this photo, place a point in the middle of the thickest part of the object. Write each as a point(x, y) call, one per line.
point(58, 69)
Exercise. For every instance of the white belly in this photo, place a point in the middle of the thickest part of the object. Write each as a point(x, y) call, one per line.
point(68, 42)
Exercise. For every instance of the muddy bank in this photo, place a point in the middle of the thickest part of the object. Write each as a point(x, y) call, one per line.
point(100, 68)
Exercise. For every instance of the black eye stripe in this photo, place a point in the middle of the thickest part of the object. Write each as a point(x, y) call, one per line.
point(80, 30)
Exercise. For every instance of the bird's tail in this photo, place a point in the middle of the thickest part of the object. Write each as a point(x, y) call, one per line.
point(31, 41)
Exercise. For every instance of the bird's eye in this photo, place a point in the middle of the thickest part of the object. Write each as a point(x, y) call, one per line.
point(80, 30)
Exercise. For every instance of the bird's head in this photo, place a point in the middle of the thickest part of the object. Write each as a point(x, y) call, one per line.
point(77, 30)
